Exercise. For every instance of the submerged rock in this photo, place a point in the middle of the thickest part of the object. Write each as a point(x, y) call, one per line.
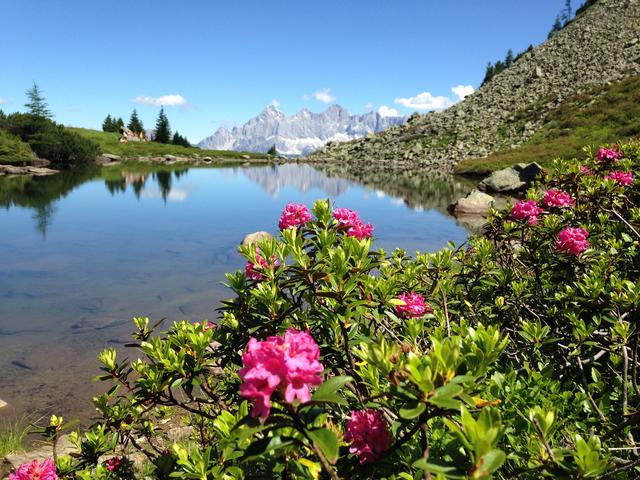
point(511, 179)
point(28, 170)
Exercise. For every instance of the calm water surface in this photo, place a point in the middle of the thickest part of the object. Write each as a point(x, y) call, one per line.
point(82, 253)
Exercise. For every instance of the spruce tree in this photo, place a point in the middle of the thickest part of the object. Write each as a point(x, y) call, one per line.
point(557, 26)
point(272, 150)
point(36, 104)
point(135, 125)
point(509, 58)
point(107, 125)
point(180, 140)
point(163, 130)
point(118, 125)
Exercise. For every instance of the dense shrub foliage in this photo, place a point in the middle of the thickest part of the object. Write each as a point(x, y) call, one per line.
point(50, 140)
point(514, 356)
point(12, 149)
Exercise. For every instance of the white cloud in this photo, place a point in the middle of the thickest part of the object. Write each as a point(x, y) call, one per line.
point(425, 101)
point(385, 111)
point(275, 103)
point(3, 100)
point(462, 91)
point(323, 96)
point(369, 106)
point(165, 100)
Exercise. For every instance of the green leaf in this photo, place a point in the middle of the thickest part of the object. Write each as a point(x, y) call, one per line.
point(328, 391)
point(490, 462)
point(444, 396)
point(431, 467)
point(412, 410)
point(327, 441)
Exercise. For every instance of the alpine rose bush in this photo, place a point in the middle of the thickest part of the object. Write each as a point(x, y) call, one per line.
point(368, 434)
point(623, 178)
point(572, 240)
point(35, 471)
point(414, 305)
point(288, 364)
point(557, 198)
point(294, 215)
point(523, 365)
point(526, 210)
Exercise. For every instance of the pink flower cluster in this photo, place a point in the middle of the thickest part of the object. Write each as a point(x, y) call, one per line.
point(414, 306)
point(572, 240)
point(623, 178)
point(35, 471)
point(558, 198)
point(293, 215)
point(113, 464)
point(367, 431)
point(586, 170)
point(252, 270)
point(289, 364)
point(526, 210)
point(608, 154)
point(350, 220)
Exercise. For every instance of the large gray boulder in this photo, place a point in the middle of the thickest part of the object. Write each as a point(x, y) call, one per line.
point(475, 203)
point(511, 179)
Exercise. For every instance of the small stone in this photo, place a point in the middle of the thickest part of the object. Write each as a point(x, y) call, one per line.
point(256, 237)
point(475, 203)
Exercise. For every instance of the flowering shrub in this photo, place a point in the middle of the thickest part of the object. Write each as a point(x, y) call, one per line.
point(623, 178)
point(35, 471)
point(515, 356)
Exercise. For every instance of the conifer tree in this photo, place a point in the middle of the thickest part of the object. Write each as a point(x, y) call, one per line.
point(163, 130)
point(135, 125)
point(180, 140)
point(272, 150)
point(508, 61)
point(119, 125)
point(107, 125)
point(37, 104)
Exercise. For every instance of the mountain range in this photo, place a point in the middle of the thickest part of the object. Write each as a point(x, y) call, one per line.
point(298, 134)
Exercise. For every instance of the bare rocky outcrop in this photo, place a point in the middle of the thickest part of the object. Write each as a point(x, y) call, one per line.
point(599, 47)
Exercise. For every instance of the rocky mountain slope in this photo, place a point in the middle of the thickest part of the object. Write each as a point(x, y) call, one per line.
point(299, 134)
point(599, 47)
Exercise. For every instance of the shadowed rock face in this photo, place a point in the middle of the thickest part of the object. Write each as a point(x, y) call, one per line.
point(299, 134)
point(599, 47)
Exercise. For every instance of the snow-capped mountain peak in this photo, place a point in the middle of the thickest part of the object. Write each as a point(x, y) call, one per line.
point(298, 134)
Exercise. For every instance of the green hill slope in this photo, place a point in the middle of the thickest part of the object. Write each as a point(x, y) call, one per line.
point(605, 115)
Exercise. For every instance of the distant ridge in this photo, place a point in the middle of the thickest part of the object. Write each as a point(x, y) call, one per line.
point(299, 134)
point(599, 47)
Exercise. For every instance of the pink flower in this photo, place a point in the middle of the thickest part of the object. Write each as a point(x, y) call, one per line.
point(346, 217)
point(623, 178)
point(558, 198)
point(289, 364)
point(608, 154)
point(415, 305)
point(360, 230)
point(526, 210)
point(586, 170)
point(572, 240)
point(252, 270)
point(367, 431)
point(113, 464)
point(350, 220)
point(207, 325)
point(35, 471)
point(294, 214)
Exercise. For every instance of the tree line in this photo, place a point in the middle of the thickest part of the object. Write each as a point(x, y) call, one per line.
point(161, 133)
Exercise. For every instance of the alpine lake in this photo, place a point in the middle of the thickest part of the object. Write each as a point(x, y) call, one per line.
point(83, 252)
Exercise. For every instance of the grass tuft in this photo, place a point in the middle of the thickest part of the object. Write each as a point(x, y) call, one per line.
point(13, 434)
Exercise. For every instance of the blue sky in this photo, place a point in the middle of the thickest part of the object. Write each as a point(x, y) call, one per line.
point(220, 63)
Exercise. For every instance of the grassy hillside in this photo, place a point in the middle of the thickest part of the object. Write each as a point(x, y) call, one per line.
point(108, 143)
point(605, 115)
